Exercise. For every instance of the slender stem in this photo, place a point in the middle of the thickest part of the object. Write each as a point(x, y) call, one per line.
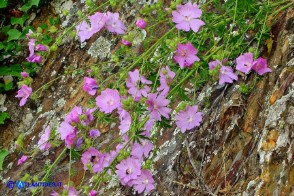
point(51, 167)
point(69, 170)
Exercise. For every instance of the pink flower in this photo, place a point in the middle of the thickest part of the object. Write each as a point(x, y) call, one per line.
point(22, 160)
point(92, 193)
point(125, 121)
point(91, 157)
point(71, 190)
point(144, 182)
point(94, 133)
point(86, 31)
point(260, 66)
point(186, 55)
point(108, 101)
point(128, 169)
point(126, 43)
point(214, 64)
point(24, 74)
point(28, 35)
point(77, 115)
point(43, 142)
point(41, 47)
point(74, 115)
point(90, 85)
point(148, 126)
point(34, 58)
point(31, 45)
point(166, 77)
point(97, 21)
point(24, 92)
point(113, 24)
point(143, 149)
point(67, 133)
point(186, 17)
point(137, 85)
point(226, 74)
point(54, 193)
point(245, 62)
point(189, 118)
point(157, 106)
point(141, 24)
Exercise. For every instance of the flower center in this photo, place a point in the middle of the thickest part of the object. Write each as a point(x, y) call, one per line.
point(128, 171)
point(94, 159)
point(190, 119)
point(187, 18)
point(110, 102)
point(183, 53)
point(145, 181)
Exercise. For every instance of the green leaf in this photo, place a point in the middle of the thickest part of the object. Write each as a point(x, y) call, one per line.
point(3, 117)
point(3, 3)
point(13, 34)
point(29, 4)
point(20, 21)
point(7, 87)
point(13, 70)
point(3, 154)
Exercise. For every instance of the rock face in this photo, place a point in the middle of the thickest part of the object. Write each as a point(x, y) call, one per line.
point(244, 147)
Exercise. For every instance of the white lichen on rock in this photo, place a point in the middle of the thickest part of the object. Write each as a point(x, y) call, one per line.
point(100, 48)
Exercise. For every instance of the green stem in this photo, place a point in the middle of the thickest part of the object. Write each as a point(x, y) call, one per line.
point(261, 33)
point(51, 167)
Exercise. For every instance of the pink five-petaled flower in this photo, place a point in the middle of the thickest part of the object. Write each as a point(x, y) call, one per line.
point(22, 160)
point(74, 115)
point(157, 106)
point(128, 169)
point(31, 45)
point(43, 142)
point(144, 182)
point(108, 101)
point(186, 17)
point(260, 66)
point(24, 74)
point(90, 85)
point(24, 92)
point(114, 24)
point(126, 43)
point(91, 157)
point(214, 64)
point(67, 133)
point(125, 121)
point(92, 193)
point(143, 149)
point(226, 73)
point(244, 62)
point(186, 55)
point(71, 190)
point(137, 85)
point(165, 77)
point(34, 58)
point(141, 24)
point(86, 31)
point(189, 118)
point(41, 47)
